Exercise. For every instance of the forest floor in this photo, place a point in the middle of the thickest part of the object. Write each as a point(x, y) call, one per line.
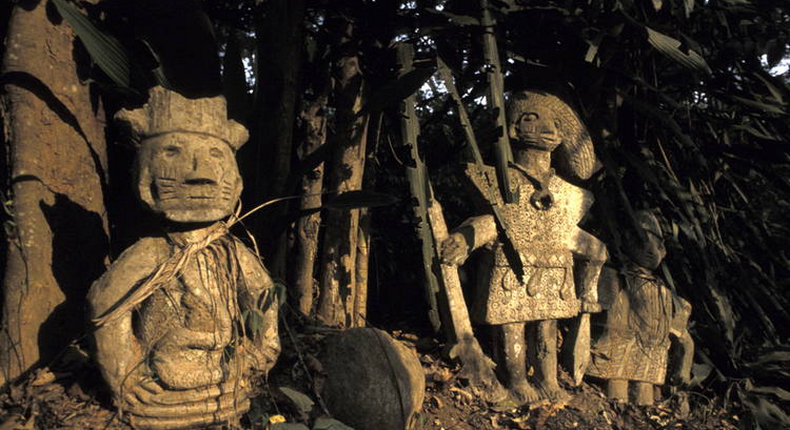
point(70, 395)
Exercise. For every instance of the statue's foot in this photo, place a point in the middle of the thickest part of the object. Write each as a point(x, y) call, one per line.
point(553, 393)
point(524, 393)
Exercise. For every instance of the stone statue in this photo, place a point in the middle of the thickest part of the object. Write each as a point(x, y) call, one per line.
point(184, 319)
point(543, 224)
point(643, 319)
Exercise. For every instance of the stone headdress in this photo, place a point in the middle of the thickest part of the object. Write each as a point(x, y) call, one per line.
point(170, 112)
point(575, 156)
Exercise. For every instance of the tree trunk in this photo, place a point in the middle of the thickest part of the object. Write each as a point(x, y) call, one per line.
point(280, 48)
point(307, 228)
point(58, 240)
point(363, 256)
point(338, 263)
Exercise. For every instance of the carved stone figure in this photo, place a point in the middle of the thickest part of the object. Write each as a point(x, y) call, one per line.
point(185, 318)
point(543, 227)
point(644, 317)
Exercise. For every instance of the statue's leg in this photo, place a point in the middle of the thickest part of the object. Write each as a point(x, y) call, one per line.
point(643, 393)
point(514, 347)
point(544, 357)
point(617, 389)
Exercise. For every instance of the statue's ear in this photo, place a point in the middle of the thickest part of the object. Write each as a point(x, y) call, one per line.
point(237, 134)
point(512, 130)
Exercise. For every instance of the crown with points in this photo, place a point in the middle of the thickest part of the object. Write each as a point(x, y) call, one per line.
point(170, 112)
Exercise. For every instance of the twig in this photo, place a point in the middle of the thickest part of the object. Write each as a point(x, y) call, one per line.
point(304, 365)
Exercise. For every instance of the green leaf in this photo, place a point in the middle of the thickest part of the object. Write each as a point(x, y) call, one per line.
point(699, 373)
point(781, 393)
point(301, 401)
point(289, 426)
point(254, 319)
point(398, 90)
point(670, 47)
point(325, 423)
point(160, 77)
point(104, 49)
point(767, 413)
point(765, 107)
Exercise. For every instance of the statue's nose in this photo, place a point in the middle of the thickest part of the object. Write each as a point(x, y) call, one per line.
point(200, 173)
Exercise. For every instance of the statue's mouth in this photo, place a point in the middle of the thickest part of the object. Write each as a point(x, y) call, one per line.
point(194, 193)
point(539, 139)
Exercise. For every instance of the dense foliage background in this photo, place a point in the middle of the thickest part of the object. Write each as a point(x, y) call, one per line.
point(687, 103)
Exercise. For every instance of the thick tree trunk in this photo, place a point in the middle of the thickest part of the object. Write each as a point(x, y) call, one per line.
point(338, 262)
point(280, 50)
point(307, 228)
point(58, 242)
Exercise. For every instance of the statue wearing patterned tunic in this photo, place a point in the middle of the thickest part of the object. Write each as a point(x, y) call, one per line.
point(172, 335)
point(543, 225)
point(643, 319)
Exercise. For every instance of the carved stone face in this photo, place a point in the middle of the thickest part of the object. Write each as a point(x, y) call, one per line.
point(647, 252)
point(536, 127)
point(188, 177)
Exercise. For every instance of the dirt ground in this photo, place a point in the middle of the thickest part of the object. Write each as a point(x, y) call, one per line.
point(70, 395)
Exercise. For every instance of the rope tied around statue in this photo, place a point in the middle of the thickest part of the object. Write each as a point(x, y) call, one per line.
point(217, 237)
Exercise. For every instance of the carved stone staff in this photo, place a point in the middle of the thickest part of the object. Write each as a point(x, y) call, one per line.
point(478, 368)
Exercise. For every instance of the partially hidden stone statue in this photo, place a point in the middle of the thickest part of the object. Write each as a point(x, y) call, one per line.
point(184, 319)
point(543, 224)
point(643, 319)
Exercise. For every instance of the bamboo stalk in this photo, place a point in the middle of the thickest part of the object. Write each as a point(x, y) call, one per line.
point(307, 228)
point(496, 91)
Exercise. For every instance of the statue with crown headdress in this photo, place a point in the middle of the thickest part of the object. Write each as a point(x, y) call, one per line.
point(543, 227)
point(185, 319)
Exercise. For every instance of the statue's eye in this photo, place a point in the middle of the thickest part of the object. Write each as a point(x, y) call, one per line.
point(529, 116)
point(172, 150)
point(216, 152)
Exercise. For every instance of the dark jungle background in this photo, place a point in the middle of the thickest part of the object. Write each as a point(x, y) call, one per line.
point(686, 102)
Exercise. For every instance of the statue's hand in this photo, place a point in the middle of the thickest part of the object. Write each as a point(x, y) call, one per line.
point(454, 249)
point(137, 393)
point(679, 379)
point(591, 307)
point(148, 398)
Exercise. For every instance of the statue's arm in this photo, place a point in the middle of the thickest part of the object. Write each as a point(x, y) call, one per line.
point(590, 254)
point(684, 344)
point(470, 235)
point(260, 297)
point(118, 352)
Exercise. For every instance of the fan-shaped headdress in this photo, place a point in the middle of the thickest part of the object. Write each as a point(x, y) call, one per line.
point(575, 156)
